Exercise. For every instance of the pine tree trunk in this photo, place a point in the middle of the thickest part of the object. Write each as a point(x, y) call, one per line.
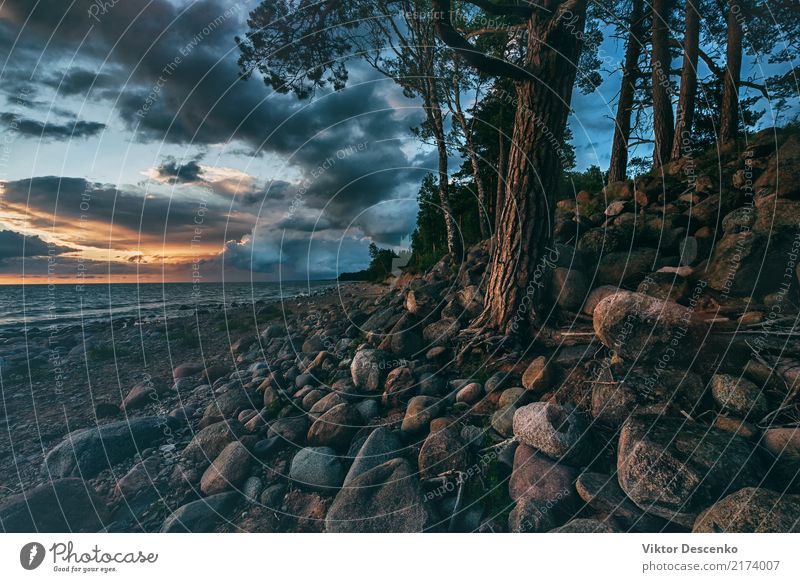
point(483, 215)
point(618, 168)
point(453, 238)
point(469, 144)
point(434, 112)
point(513, 292)
point(682, 142)
point(663, 121)
point(729, 117)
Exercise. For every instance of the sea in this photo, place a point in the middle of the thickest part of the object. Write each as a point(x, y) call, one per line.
point(30, 306)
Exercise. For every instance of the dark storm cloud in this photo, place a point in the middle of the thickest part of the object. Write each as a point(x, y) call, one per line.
point(201, 100)
point(175, 80)
point(80, 81)
point(74, 129)
point(174, 171)
point(126, 217)
point(16, 245)
point(304, 223)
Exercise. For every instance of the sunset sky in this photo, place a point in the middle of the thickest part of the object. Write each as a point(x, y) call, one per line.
point(131, 151)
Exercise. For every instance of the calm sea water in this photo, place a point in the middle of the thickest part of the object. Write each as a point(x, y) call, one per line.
point(40, 305)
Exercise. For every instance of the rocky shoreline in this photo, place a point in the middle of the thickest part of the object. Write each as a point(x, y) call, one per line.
point(662, 395)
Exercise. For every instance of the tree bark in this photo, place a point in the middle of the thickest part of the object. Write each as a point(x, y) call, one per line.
point(618, 168)
point(483, 215)
point(501, 176)
point(729, 117)
point(525, 220)
point(663, 122)
point(681, 143)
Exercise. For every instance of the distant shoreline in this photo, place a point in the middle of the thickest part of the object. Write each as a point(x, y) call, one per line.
point(190, 283)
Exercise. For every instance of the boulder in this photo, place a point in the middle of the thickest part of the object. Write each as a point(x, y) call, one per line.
point(531, 516)
point(603, 494)
point(665, 286)
point(741, 264)
point(441, 333)
point(86, 452)
point(200, 516)
point(303, 380)
point(335, 428)
point(558, 431)
point(380, 446)
point(735, 425)
point(229, 404)
point(711, 210)
point(537, 477)
point(419, 413)
point(228, 470)
point(403, 339)
point(569, 288)
point(596, 296)
point(144, 393)
point(599, 241)
point(290, 430)
point(584, 525)
point(470, 299)
point(739, 397)
point(616, 396)
point(387, 498)
point(674, 468)
point(310, 398)
point(470, 393)
point(317, 468)
point(307, 510)
point(443, 451)
point(252, 489)
point(59, 506)
point(627, 267)
point(187, 369)
point(208, 443)
point(538, 376)
point(368, 370)
point(503, 420)
point(783, 444)
point(424, 301)
point(497, 381)
point(752, 261)
point(740, 220)
point(638, 326)
point(324, 404)
point(400, 386)
point(140, 478)
point(782, 174)
point(783, 447)
point(617, 207)
point(751, 510)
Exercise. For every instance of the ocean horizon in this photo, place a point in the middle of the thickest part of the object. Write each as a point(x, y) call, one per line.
point(26, 306)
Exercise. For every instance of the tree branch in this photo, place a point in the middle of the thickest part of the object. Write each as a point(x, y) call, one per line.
point(476, 58)
point(523, 11)
point(719, 72)
point(491, 30)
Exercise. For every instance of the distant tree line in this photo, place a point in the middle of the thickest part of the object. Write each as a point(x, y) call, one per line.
point(380, 266)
